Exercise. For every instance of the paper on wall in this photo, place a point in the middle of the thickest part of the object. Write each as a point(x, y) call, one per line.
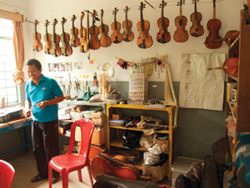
point(200, 88)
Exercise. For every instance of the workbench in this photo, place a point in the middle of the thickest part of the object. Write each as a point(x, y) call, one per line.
point(13, 125)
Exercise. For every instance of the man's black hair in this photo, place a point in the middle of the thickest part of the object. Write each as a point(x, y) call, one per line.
point(35, 62)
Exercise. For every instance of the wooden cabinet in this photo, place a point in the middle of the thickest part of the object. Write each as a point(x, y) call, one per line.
point(114, 139)
point(241, 108)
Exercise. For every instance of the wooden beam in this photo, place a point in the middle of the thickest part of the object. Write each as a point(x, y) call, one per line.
point(11, 16)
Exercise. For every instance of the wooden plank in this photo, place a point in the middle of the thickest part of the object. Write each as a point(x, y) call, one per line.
point(13, 122)
point(11, 16)
point(243, 103)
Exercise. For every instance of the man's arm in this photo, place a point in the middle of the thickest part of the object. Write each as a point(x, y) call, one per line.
point(27, 112)
point(56, 100)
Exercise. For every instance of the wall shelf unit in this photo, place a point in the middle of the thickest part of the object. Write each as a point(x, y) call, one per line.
point(115, 141)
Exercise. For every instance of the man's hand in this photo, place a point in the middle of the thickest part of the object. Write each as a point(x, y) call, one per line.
point(41, 104)
point(27, 113)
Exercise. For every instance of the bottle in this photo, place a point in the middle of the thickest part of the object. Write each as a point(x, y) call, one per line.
point(234, 94)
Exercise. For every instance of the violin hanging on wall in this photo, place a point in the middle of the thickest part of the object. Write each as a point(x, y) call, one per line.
point(47, 38)
point(66, 49)
point(163, 36)
point(105, 40)
point(94, 42)
point(128, 34)
point(56, 50)
point(116, 36)
point(75, 41)
point(213, 27)
point(83, 35)
point(144, 40)
point(181, 34)
point(37, 45)
point(196, 30)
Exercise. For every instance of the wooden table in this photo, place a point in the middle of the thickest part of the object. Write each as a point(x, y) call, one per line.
point(16, 124)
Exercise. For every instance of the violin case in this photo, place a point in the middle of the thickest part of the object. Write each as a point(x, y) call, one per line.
point(11, 113)
point(108, 181)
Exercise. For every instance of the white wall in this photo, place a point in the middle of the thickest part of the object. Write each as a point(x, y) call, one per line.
point(228, 11)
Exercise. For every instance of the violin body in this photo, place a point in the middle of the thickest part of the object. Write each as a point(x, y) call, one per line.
point(74, 41)
point(105, 40)
point(94, 42)
point(181, 34)
point(127, 35)
point(48, 45)
point(56, 50)
point(163, 36)
point(144, 40)
point(66, 49)
point(196, 29)
point(83, 40)
point(213, 27)
point(116, 36)
point(37, 45)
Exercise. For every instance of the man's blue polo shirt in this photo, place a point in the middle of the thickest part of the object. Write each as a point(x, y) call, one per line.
point(46, 89)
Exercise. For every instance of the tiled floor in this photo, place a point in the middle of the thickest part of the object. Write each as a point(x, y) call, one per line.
point(25, 167)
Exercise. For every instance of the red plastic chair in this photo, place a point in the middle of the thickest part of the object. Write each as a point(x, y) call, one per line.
point(7, 173)
point(70, 162)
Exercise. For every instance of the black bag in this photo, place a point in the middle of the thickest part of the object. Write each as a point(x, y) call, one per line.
point(219, 151)
point(210, 176)
point(182, 182)
point(131, 139)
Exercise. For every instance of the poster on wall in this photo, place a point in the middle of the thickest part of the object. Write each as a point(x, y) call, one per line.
point(62, 67)
point(68, 66)
point(200, 88)
point(78, 65)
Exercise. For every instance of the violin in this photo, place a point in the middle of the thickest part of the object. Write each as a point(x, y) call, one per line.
point(105, 40)
point(94, 42)
point(66, 49)
point(196, 29)
point(144, 40)
point(163, 36)
point(116, 36)
point(56, 50)
point(84, 46)
point(37, 45)
point(128, 34)
point(104, 164)
point(47, 38)
point(181, 34)
point(229, 37)
point(75, 41)
point(213, 26)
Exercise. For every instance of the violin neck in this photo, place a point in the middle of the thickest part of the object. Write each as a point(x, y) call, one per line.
point(102, 25)
point(87, 25)
point(142, 22)
point(35, 33)
point(180, 8)
point(81, 28)
point(46, 33)
point(126, 18)
point(214, 10)
point(115, 22)
point(54, 35)
point(195, 10)
point(73, 28)
point(63, 32)
point(162, 14)
point(93, 25)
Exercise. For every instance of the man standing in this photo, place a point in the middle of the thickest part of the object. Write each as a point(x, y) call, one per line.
point(42, 96)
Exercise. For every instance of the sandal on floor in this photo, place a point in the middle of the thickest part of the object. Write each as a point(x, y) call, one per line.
point(55, 179)
point(37, 178)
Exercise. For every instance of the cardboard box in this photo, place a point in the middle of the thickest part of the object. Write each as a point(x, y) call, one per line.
point(98, 137)
point(117, 116)
point(157, 172)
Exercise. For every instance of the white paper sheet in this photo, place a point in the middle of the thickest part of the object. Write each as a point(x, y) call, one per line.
point(200, 88)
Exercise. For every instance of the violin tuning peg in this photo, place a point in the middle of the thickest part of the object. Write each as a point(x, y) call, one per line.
point(165, 4)
point(178, 3)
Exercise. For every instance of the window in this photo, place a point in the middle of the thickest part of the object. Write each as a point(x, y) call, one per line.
point(8, 88)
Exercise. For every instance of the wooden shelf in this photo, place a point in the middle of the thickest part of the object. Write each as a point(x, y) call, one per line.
point(232, 106)
point(136, 129)
point(234, 78)
point(117, 142)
